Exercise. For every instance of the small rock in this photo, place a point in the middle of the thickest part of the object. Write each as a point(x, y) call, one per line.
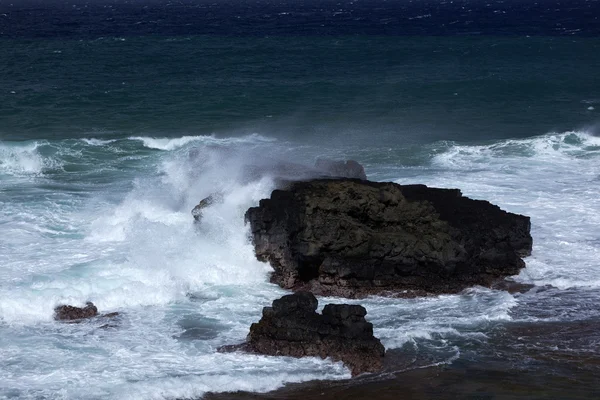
point(70, 313)
point(207, 201)
point(292, 327)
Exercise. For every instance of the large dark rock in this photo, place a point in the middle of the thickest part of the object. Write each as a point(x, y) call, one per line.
point(292, 327)
point(70, 313)
point(351, 238)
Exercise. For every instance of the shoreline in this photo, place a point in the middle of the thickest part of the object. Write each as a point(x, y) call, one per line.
point(464, 380)
point(543, 360)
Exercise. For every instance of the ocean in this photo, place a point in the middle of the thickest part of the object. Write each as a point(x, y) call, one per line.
point(118, 117)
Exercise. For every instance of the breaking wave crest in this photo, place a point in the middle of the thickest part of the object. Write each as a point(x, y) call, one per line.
point(24, 158)
point(551, 178)
point(176, 143)
point(555, 146)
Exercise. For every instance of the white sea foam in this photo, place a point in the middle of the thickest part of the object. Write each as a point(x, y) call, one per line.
point(552, 178)
point(24, 159)
point(144, 257)
point(176, 143)
point(183, 289)
point(97, 142)
point(400, 321)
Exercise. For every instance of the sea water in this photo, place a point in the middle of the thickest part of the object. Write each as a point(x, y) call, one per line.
point(109, 140)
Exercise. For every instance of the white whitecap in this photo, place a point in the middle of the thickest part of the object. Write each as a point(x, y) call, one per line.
point(97, 142)
point(24, 158)
point(176, 143)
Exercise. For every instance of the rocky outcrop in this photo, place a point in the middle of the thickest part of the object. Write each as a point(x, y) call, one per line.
point(292, 327)
point(70, 313)
point(351, 238)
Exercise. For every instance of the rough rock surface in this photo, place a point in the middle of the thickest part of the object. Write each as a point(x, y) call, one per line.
point(351, 238)
point(292, 327)
point(205, 202)
point(70, 313)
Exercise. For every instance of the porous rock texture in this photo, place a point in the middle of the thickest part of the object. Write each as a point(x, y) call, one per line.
point(292, 327)
point(71, 313)
point(351, 238)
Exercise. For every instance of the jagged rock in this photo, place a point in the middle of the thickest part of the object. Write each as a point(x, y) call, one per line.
point(292, 327)
point(351, 238)
point(341, 169)
point(70, 313)
point(205, 202)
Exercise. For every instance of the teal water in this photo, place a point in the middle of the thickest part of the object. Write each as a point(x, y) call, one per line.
point(397, 88)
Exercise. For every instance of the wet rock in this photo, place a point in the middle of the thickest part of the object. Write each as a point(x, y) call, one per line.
point(70, 313)
point(292, 327)
point(207, 201)
point(351, 238)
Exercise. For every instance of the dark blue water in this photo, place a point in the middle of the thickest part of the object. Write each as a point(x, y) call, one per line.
point(80, 18)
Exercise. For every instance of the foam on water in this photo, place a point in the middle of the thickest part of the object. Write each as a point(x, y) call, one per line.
point(552, 178)
point(400, 321)
point(97, 142)
point(155, 254)
point(144, 257)
point(24, 158)
point(177, 143)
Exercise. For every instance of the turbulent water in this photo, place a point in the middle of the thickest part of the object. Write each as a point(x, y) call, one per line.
point(111, 133)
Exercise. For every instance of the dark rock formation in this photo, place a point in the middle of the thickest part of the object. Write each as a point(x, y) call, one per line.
point(284, 173)
point(341, 169)
point(291, 327)
point(205, 202)
point(76, 314)
point(70, 313)
point(352, 238)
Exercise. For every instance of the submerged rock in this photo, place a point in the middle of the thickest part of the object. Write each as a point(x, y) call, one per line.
point(70, 313)
point(292, 327)
point(512, 287)
point(351, 238)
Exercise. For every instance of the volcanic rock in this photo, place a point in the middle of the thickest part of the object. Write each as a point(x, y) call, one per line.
point(70, 313)
point(350, 238)
point(292, 327)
